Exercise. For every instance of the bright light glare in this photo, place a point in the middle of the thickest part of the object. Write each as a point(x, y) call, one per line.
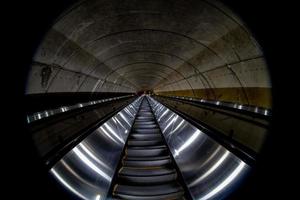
point(86, 150)
point(66, 184)
point(162, 115)
point(124, 118)
point(213, 168)
point(98, 197)
point(118, 122)
point(227, 181)
point(170, 122)
point(108, 135)
point(188, 142)
point(90, 164)
point(177, 127)
point(114, 133)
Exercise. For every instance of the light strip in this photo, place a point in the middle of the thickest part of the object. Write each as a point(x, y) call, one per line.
point(91, 164)
point(188, 142)
point(169, 124)
point(108, 135)
point(74, 173)
point(86, 150)
point(212, 155)
point(114, 133)
point(162, 115)
point(124, 118)
point(213, 168)
point(177, 127)
point(228, 180)
point(67, 185)
point(119, 122)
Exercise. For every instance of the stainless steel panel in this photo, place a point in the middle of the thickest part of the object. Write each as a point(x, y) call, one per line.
point(47, 113)
point(87, 170)
point(209, 170)
point(254, 109)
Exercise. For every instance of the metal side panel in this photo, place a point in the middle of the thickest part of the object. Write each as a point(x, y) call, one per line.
point(209, 170)
point(87, 170)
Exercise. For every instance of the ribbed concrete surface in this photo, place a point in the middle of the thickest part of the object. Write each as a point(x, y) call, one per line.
point(160, 45)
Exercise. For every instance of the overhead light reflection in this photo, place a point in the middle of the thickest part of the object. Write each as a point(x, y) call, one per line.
point(212, 169)
point(123, 117)
point(91, 164)
point(177, 127)
point(108, 135)
point(114, 133)
point(227, 181)
point(119, 122)
point(67, 185)
point(162, 115)
point(86, 150)
point(170, 122)
point(188, 142)
point(74, 173)
point(211, 156)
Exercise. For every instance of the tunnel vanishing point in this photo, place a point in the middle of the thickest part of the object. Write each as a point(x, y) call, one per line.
point(161, 99)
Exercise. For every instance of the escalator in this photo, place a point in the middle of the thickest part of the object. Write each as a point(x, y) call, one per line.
point(147, 170)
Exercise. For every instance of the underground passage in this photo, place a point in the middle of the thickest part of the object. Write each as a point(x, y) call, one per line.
point(148, 100)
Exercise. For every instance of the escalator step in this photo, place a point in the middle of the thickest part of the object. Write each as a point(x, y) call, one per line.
point(146, 152)
point(143, 142)
point(129, 171)
point(134, 162)
point(148, 180)
point(145, 126)
point(144, 122)
point(142, 117)
point(163, 191)
point(142, 130)
point(150, 158)
point(147, 172)
point(147, 136)
point(148, 147)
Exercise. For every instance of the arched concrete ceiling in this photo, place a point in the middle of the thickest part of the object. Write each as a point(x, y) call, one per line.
point(173, 47)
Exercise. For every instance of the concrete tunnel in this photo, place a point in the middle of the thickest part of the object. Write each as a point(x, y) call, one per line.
point(197, 58)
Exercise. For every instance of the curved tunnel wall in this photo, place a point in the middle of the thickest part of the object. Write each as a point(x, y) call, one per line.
point(183, 48)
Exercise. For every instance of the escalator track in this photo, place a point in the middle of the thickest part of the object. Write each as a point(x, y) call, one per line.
point(147, 171)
